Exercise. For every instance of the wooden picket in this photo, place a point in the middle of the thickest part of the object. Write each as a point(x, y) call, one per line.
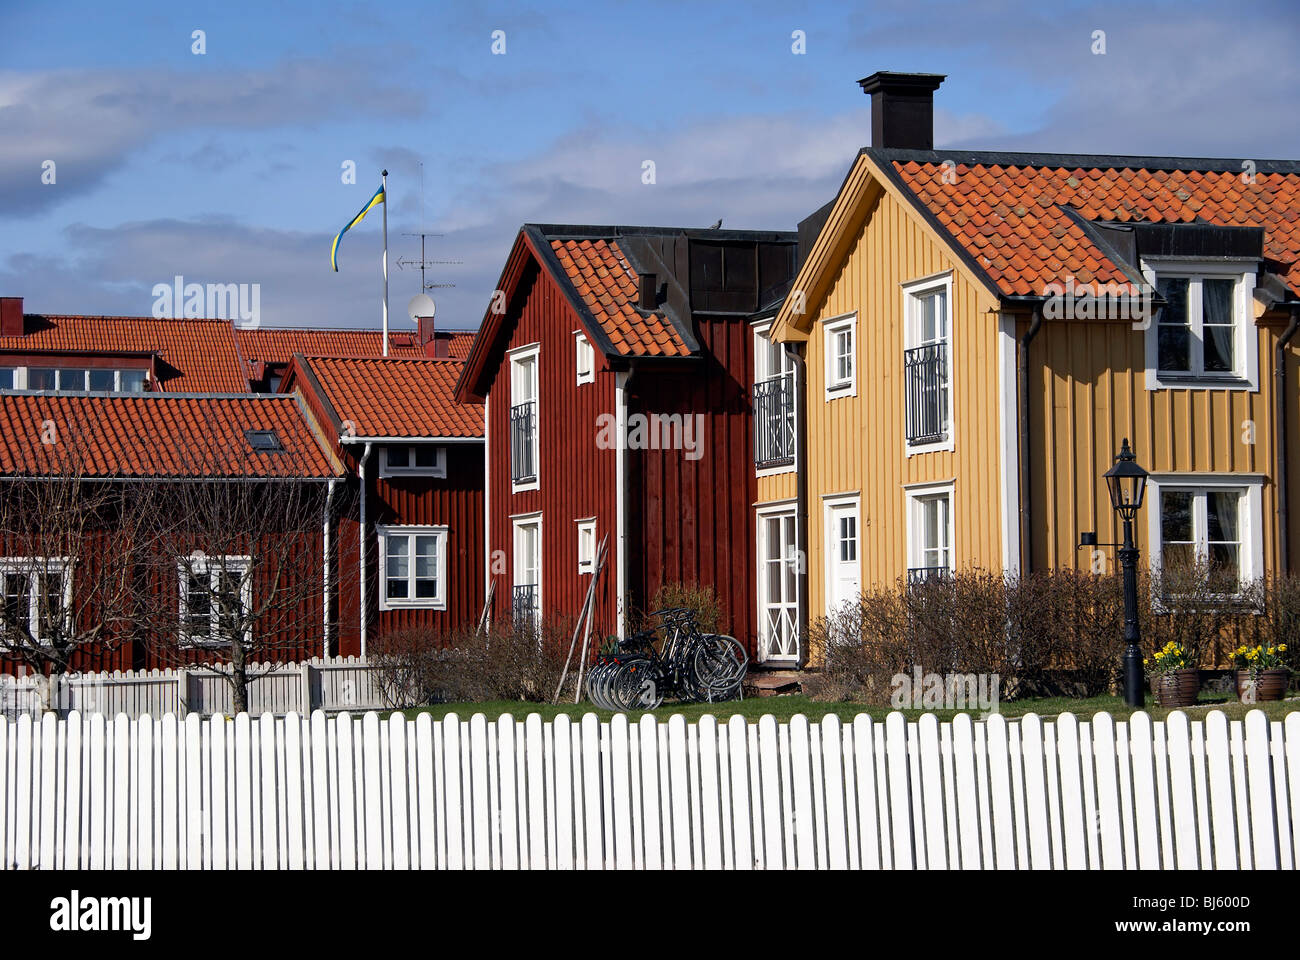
point(294, 792)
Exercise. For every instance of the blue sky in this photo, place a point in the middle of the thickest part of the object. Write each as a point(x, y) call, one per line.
point(225, 167)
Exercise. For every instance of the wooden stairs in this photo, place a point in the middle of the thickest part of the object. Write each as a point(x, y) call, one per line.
point(772, 683)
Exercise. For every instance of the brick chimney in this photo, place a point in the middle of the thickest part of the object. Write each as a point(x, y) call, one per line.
point(434, 344)
point(11, 317)
point(902, 108)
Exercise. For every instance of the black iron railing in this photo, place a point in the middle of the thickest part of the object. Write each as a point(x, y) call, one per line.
point(919, 575)
point(925, 373)
point(523, 606)
point(774, 421)
point(523, 441)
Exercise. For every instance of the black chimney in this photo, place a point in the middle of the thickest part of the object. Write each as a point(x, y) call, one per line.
point(902, 108)
point(649, 290)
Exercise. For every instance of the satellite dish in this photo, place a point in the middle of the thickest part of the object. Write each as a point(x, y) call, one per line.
point(421, 305)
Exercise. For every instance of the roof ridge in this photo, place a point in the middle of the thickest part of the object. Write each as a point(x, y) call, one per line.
point(1097, 161)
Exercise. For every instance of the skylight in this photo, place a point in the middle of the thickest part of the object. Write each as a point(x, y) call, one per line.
point(264, 441)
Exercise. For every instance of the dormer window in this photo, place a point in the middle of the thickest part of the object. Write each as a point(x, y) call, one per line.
point(413, 460)
point(1203, 336)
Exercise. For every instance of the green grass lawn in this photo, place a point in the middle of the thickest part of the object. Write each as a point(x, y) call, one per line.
point(785, 707)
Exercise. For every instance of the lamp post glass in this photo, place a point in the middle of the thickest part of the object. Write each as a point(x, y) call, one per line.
point(1127, 482)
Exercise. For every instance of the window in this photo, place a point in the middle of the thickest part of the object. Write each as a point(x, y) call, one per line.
point(416, 460)
point(216, 600)
point(585, 359)
point(1203, 333)
point(73, 379)
point(415, 567)
point(841, 353)
point(774, 404)
point(37, 596)
point(927, 364)
point(526, 595)
point(587, 546)
point(929, 532)
point(264, 441)
point(1208, 528)
point(778, 585)
point(523, 419)
point(843, 572)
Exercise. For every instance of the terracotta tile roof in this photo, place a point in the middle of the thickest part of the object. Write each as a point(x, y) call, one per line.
point(150, 435)
point(601, 274)
point(1011, 217)
point(397, 397)
point(199, 356)
point(279, 344)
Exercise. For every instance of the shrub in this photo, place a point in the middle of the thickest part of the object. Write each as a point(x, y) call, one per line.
point(417, 667)
point(702, 600)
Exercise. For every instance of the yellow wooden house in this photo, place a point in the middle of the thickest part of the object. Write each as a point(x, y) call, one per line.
point(971, 336)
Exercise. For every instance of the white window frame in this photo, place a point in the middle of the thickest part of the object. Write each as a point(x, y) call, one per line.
point(22, 381)
point(914, 494)
point(200, 563)
point(29, 565)
point(1249, 485)
point(517, 357)
point(913, 292)
point(410, 532)
point(782, 510)
point(438, 470)
point(763, 372)
point(831, 541)
point(1245, 331)
point(836, 388)
point(583, 352)
point(517, 523)
point(586, 530)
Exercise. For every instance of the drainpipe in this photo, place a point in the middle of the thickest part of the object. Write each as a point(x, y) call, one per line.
point(361, 545)
point(1026, 513)
point(1279, 444)
point(801, 498)
point(328, 552)
point(621, 380)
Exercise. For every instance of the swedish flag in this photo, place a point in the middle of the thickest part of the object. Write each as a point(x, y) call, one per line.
point(334, 248)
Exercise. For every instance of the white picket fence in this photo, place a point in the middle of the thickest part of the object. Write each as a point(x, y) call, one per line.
point(335, 683)
point(345, 792)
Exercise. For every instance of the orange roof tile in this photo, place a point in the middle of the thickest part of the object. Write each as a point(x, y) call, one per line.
point(1035, 242)
point(600, 273)
point(153, 435)
point(201, 354)
point(397, 397)
point(278, 344)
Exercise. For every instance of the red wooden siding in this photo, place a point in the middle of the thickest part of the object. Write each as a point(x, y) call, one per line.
point(691, 520)
point(577, 479)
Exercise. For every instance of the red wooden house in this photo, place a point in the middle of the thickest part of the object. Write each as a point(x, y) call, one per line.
point(615, 366)
point(415, 459)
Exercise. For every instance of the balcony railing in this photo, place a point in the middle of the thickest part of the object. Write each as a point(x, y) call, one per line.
point(921, 575)
point(925, 373)
point(523, 607)
point(523, 442)
point(774, 421)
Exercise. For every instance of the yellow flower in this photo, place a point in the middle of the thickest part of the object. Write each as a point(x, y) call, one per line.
point(1282, 647)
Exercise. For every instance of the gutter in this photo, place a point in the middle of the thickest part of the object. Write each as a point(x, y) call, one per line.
point(621, 380)
point(1026, 502)
point(1279, 444)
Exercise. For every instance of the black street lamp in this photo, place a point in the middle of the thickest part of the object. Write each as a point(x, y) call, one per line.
point(1127, 482)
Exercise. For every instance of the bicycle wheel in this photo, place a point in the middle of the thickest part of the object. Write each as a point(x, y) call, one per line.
point(718, 665)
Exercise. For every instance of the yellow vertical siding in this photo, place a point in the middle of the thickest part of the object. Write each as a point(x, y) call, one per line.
point(857, 443)
point(1088, 392)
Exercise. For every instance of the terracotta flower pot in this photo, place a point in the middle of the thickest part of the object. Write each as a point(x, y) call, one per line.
point(1268, 685)
point(1178, 688)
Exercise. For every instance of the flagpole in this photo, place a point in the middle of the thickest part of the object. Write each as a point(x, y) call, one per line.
point(385, 180)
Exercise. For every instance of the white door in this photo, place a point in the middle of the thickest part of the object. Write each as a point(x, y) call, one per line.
point(778, 588)
point(843, 573)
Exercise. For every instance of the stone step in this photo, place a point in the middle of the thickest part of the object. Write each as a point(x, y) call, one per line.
point(772, 683)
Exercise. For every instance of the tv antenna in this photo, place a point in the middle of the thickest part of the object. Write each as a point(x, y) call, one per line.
point(424, 263)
